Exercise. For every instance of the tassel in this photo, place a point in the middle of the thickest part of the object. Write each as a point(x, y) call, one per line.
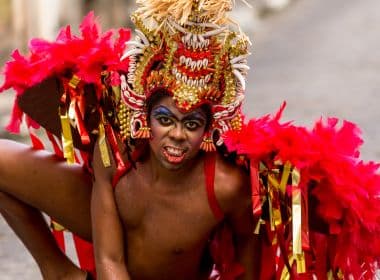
point(140, 128)
point(143, 133)
point(208, 144)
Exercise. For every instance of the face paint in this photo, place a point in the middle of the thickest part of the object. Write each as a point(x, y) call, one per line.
point(176, 135)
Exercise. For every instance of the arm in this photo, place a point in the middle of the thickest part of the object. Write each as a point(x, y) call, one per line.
point(234, 195)
point(247, 244)
point(107, 229)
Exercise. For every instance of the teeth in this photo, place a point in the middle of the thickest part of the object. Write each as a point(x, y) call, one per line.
point(174, 151)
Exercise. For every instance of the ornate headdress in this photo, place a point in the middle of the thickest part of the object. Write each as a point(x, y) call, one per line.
point(186, 48)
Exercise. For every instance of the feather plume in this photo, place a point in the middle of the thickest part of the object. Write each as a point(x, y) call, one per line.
point(347, 189)
point(86, 56)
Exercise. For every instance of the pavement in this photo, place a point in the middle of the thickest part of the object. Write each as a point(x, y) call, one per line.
point(322, 58)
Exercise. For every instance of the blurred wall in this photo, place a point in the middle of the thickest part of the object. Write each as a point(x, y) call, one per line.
point(21, 20)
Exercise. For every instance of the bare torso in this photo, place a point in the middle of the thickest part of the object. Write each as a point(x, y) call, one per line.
point(167, 226)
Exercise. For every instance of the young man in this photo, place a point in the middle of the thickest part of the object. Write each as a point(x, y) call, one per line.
point(158, 219)
point(163, 204)
point(158, 199)
point(156, 224)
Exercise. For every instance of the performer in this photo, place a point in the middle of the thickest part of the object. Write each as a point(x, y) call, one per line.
point(166, 179)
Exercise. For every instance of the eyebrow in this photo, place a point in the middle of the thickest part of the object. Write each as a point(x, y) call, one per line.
point(162, 110)
point(195, 115)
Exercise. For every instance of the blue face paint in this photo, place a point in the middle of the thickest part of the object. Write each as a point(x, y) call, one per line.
point(166, 117)
point(162, 111)
point(195, 116)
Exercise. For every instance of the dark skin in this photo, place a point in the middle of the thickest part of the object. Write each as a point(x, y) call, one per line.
point(36, 180)
point(157, 222)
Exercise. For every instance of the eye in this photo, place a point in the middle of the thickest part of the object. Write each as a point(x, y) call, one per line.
point(165, 121)
point(192, 125)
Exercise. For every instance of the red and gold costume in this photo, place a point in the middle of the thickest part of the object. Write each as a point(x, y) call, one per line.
point(315, 203)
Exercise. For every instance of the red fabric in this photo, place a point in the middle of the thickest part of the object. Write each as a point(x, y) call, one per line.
point(36, 142)
point(60, 239)
point(223, 253)
point(121, 168)
point(209, 168)
point(57, 149)
point(268, 264)
point(85, 252)
point(222, 248)
point(255, 189)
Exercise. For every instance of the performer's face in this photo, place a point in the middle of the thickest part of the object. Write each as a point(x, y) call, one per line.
point(176, 136)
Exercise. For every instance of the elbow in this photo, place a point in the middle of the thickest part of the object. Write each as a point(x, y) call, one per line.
point(109, 268)
point(110, 260)
point(108, 264)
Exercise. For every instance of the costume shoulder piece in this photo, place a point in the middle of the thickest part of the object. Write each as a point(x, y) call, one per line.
point(316, 204)
point(65, 86)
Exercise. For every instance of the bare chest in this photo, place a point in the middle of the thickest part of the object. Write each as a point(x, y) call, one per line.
point(165, 227)
point(170, 214)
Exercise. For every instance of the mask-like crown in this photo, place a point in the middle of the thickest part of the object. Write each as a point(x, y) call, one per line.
point(188, 49)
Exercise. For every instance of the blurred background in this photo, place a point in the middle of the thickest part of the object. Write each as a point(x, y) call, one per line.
point(322, 57)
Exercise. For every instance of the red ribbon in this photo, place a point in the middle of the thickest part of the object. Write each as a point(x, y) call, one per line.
point(255, 187)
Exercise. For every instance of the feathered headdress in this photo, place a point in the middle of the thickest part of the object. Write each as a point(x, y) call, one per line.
point(187, 49)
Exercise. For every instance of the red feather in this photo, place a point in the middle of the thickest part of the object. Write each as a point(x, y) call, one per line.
point(347, 189)
point(86, 56)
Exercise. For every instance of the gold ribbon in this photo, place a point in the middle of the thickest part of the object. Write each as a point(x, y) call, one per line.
point(296, 213)
point(270, 208)
point(285, 177)
point(103, 146)
point(301, 263)
point(258, 226)
point(74, 81)
point(301, 266)
point(57, 227)
point(274, 212)
point(67, 139)
point(297, 222)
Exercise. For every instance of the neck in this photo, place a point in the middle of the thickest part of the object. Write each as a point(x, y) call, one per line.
point(172, 176)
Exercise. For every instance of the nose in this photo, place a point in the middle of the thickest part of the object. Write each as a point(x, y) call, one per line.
point(177, 133)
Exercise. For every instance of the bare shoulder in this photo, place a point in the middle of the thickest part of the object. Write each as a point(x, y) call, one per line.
point(232, 185)
point(100, 170)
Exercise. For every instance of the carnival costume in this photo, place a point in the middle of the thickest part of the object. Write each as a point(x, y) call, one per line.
point(316, 205)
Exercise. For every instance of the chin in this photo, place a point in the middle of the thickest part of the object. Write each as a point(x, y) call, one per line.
point(173, 166)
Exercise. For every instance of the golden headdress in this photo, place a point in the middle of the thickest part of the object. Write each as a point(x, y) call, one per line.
point(188, 49)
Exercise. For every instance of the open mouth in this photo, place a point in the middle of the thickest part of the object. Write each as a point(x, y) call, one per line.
point(174, 154)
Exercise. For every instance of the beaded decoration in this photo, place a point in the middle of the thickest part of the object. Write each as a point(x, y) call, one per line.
point(188, 49)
